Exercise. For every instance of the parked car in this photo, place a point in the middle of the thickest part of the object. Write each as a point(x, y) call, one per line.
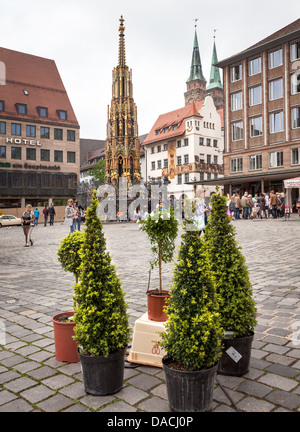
point(7, 220)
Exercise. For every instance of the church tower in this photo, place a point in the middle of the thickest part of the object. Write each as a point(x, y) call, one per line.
point(196, 83)
point(122, 146)
point(215, 87)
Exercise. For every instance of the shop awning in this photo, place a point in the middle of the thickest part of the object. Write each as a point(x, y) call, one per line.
point(292, 183)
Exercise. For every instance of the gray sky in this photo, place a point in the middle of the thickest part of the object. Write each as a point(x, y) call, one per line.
point(82, 38)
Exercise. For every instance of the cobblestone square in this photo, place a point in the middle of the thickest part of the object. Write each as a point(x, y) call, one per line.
point(33, 288)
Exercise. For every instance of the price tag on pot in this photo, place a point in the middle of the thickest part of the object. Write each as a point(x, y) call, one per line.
point(234, 354)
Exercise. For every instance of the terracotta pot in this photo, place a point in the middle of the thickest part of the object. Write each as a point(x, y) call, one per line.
point(156, 303)
point(65, 346)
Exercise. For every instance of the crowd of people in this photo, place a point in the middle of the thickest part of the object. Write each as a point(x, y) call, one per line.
point(260, 206)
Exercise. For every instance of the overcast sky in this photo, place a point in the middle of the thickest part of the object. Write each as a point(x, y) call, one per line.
point(82, 37)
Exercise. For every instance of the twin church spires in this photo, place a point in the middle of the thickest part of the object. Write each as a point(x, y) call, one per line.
point(197, 88)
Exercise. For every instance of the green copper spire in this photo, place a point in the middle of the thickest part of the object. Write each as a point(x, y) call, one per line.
point(196, 67)
point(215, 80)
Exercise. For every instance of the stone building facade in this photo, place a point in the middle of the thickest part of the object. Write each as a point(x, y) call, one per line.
point(39, 133)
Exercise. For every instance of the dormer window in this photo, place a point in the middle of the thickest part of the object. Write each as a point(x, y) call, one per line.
point(21, 108)
point(175, 127)
point(166, 129)
point(43, 112)
point(157, 132)
point(62, 114)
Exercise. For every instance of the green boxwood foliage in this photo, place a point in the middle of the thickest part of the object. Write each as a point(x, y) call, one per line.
point(193, 333)
point(68, 252)
point(233, 286)
point(161, 228)
point(101, 312)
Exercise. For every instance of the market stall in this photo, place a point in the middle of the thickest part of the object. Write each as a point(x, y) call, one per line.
point(289, 184)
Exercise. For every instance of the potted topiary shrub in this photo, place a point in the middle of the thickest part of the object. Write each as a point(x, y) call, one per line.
point(192, 338)
point(63, 323)
point(102, 327)
point(233, 287)
point(161, 228)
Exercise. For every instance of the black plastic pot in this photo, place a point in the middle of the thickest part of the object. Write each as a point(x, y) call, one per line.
point(189, 391)
point(103, 375)
point(231, 363)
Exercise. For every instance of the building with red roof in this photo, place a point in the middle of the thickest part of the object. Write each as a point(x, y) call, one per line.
point(39, 132)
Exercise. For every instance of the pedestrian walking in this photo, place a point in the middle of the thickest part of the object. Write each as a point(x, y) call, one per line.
point(51, 211)
point(245, 205)
point(46, 214)
point(28, 224)
point(231, 208)
point(262, 205)
point(251, 205)
point(78, 214)
point(70, 216)
point(238, 206)
point(273, 204)
point(36, 216)
point(267, 204)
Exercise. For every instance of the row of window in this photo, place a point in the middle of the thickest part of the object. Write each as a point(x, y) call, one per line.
point(164, 147)
point(255, 92)
point(186, 177)
point(275, 60)
point(31, 131)
point(255, 161)
point(185, 143)
point(160, 164)
point(208, 142)
point(31, 153)
point(21, 108)
point(16, 179)
point(166, 129)
point(276, 120)
point(183, 160)
point(206, 125)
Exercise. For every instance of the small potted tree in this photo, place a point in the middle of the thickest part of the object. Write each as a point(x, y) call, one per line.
point(102, 327)
point(193, 334)
point(233, 286)
point(161, 228)
point(63, 324)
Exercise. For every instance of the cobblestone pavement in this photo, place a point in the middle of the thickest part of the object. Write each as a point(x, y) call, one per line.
point(33, 288)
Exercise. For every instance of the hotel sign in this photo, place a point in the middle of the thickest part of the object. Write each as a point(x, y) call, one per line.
point(23, 141)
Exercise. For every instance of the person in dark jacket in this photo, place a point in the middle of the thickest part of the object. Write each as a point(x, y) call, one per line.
point(262, 205)
point(45, 213)
point(51, 211)
point(232, 207)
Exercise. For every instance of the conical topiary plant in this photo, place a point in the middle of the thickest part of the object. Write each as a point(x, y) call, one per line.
point(233, 286)
point(193, 333)
point(234, 290)
point(100, 315)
